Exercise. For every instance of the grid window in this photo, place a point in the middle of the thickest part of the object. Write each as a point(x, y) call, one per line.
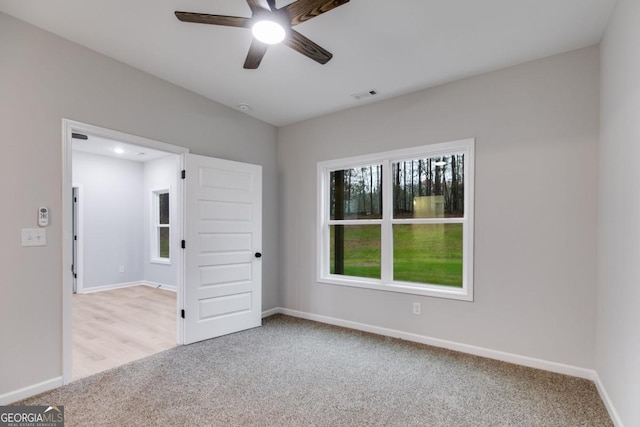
point(399, 221)
point(161, 235)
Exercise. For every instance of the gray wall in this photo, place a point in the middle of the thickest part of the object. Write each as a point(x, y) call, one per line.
point(43, 79)
point(112, 219)
point(537, 129)
point(160, 173)
point(117, 221)
point(618, 333)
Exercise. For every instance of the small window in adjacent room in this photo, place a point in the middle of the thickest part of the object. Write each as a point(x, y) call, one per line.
point(399, 221)
point(160, 239)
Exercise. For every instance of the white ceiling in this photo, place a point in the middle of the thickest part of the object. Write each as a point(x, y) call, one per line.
point(393, 47)
point(107, 147)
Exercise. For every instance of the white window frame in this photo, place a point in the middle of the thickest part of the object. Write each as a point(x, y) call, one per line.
point(155, 226)
point(386, 159)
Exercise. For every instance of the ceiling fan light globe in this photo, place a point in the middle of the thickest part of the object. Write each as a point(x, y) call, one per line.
point(269, 32)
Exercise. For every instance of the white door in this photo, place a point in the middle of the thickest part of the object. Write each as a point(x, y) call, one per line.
point(223, 241)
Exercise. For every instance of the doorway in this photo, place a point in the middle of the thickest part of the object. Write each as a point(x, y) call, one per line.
point(125, 255)
point(105, 235)
point(216, 237)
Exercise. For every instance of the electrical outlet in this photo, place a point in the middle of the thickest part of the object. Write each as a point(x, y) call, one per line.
point(417, 308)
point(122, 269)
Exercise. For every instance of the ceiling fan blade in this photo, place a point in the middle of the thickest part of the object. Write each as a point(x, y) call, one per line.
point(300, 43)
point(255, 55)
point(203, 18)
point(303, 10)
point(258, 5)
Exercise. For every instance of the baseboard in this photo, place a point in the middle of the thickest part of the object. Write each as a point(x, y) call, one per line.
point(128, 285)
point(271, 312)
point(159, 286)
point(615, 418)
point(93, 289)
point(530, 362)
point(32, 390)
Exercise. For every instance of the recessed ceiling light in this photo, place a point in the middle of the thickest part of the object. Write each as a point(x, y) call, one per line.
point(118, 150)
point(269, 32)
point(244, 107)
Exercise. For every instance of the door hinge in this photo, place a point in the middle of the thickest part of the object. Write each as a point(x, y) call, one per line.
point(182, 314)
point(184, 244)
point(184, 174)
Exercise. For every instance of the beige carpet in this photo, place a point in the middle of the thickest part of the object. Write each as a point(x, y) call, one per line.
point(292, 372)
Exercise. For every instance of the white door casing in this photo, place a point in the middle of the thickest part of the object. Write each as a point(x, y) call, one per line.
point(223, 234)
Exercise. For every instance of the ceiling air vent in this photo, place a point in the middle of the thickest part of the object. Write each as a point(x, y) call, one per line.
point(364, 95)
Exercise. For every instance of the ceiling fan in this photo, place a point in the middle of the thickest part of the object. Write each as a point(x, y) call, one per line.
point(271, 25)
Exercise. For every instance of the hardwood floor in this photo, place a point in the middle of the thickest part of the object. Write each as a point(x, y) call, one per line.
point(111, 328)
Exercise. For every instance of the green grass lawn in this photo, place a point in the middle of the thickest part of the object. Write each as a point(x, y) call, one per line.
point(422, 253)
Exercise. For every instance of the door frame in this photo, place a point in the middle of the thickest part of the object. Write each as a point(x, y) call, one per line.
point(69, 127)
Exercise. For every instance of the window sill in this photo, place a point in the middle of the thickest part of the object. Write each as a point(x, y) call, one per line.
point(161, 261)
point(438, 291)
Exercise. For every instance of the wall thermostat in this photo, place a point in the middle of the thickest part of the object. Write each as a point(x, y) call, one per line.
point(43, 217)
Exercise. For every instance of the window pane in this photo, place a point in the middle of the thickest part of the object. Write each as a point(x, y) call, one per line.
point(429, 188)
point(428, 253)
point(163, 241)
point(163, 207)
point(356, 193)
point(355, 250)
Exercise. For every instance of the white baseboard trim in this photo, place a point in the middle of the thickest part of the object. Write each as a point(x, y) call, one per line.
point(32, 390)
point(530, 362)
point(92, 289)
point(159, 286)
point(615, 418)
point(271, 312)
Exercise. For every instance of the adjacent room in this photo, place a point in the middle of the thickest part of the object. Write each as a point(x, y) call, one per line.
point(400, 213)
point(125, 279)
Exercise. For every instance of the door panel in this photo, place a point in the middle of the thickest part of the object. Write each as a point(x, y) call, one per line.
point(223, 223)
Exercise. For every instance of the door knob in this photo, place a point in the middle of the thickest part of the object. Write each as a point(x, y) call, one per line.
point(258, 255)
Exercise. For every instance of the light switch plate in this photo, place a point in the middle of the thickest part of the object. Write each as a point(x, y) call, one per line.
point(34, 237)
